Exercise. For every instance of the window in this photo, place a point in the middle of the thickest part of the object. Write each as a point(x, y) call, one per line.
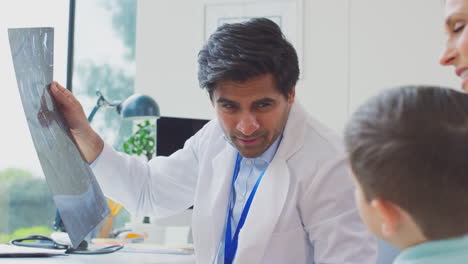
point(104, 60)
point(25, 202)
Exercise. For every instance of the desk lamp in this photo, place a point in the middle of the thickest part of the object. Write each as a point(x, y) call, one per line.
point(135, 107)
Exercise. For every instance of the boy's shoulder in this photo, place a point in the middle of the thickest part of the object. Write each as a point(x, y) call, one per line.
point(448, 251)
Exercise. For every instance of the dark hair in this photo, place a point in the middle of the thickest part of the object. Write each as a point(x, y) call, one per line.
point(240, 51)
point(410, 146)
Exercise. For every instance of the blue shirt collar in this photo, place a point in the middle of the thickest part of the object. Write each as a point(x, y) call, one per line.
point(268, 155)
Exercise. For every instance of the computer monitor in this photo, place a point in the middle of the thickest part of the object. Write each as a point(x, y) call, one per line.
point(75, 191)
point(172, 132)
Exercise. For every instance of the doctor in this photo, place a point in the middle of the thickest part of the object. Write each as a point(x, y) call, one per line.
point(268, 182)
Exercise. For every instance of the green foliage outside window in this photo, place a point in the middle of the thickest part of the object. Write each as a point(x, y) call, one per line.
point(26, 205)
point(24, 232)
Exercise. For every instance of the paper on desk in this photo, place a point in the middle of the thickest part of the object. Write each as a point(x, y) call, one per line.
point(11, 251)
point(157, 249)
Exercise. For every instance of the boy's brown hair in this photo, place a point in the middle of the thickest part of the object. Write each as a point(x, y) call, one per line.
point(410, 146)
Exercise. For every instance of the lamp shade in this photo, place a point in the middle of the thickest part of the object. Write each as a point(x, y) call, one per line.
point(138, 106)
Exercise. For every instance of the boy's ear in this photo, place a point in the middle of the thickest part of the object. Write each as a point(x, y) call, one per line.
point(390, 216)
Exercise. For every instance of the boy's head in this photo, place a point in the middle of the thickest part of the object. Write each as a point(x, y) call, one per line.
point(408, 151)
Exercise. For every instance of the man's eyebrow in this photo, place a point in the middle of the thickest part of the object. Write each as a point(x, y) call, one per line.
point(264, 100)
point(225, 100)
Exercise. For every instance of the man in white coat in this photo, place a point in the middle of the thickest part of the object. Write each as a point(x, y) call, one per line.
point(268, 183)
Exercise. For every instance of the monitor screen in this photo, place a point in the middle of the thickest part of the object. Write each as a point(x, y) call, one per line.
point(172, 132)
point(75, 190)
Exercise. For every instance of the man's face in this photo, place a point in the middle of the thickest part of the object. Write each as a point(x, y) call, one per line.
point(252, 113)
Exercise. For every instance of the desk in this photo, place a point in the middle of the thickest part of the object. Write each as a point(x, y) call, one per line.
point(114, 258)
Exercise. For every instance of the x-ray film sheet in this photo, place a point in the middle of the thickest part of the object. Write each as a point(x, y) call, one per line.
point(75, 191)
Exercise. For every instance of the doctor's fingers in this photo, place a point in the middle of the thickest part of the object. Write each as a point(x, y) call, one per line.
point(69, 106)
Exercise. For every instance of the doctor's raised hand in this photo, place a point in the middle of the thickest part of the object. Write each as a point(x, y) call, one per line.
point(88, 141)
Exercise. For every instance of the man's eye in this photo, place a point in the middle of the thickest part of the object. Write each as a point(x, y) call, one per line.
point(228, 106)
point(263, 105)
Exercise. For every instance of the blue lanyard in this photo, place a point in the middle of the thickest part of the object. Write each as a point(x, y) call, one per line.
point(230, 245)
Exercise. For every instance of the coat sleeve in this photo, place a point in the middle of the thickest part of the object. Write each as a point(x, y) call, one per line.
point(161, 187)
point(332, 220)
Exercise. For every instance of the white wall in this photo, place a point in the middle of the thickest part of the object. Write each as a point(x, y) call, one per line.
point(394, 43)
point(323, 87)
point(351, 50)
point(169, 36)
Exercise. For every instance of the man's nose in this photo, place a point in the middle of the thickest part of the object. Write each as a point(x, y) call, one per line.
point(248, 124)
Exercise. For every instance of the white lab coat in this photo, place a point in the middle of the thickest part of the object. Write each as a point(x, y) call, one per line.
point(303, 211)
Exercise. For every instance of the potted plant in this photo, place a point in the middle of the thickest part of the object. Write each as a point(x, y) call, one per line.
point(142, 141)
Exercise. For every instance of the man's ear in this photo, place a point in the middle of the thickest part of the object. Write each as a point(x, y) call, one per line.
point(390, 215)
point(292, 95)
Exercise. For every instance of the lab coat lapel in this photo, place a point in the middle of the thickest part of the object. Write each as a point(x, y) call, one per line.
point(264, 212)
point(266, 207)
point(272, 193)
point(218, 195)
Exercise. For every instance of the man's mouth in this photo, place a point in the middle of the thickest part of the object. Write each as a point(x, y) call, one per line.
point(248, 141)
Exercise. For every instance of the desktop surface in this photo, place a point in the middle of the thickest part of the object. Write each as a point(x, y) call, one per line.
point(118, 257)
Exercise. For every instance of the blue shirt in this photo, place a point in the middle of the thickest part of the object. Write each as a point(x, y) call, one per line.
point(449, 251)
point(249, 171)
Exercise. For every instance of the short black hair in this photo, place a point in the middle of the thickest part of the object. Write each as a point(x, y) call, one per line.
point(241, 51)
point(410, 146)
